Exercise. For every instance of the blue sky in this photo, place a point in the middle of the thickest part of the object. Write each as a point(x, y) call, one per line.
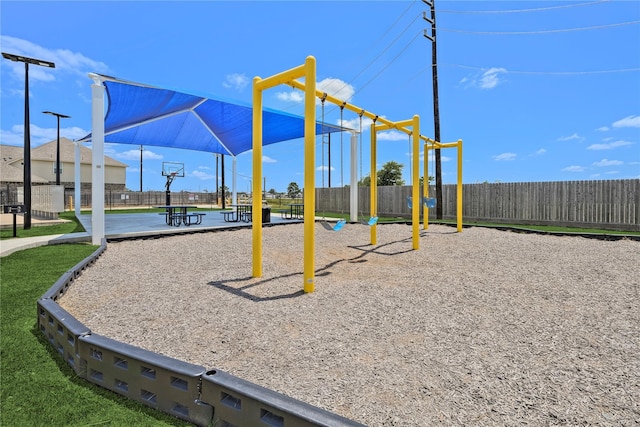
point(537, 90)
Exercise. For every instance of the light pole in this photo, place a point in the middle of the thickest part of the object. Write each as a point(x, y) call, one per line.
point(27, 133)
point(59, 116)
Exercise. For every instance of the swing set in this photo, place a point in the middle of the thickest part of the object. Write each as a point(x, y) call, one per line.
point(308, 72)
point(341, 222)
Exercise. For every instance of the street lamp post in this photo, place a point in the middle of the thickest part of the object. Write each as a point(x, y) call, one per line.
point(27, 133)
point(59, 116)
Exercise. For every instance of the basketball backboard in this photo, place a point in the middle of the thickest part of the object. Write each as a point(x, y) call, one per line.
point(173, 169)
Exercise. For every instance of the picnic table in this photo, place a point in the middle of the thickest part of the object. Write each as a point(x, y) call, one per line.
point(243, 212)
point(240, 212)
point(295, 211)
point(176, 215)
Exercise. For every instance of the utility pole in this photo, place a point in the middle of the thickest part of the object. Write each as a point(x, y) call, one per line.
point(436, 107)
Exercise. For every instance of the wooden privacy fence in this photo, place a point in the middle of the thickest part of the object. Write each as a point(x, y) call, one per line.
point(610, 204)
point(122, 199)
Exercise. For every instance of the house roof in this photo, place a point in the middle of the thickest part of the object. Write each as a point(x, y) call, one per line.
point(11, 159)
point(11, 165)
point(47, 152)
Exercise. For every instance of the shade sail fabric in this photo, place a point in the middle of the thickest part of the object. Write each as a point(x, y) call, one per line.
point(144, 115)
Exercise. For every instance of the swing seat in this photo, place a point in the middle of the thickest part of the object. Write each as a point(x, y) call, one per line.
point(409, 202)
point(337, 227)
point(430, 202)
point(372, 221)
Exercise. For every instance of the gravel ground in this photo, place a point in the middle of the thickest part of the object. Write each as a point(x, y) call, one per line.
point(483, 327)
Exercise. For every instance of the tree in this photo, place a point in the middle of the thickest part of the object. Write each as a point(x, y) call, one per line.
point(390, 174)
point(293, 190)
point(431, 179)
point(365, 181)
point(272, 191)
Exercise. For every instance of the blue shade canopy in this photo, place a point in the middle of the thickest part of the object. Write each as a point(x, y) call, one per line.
point(143, 115)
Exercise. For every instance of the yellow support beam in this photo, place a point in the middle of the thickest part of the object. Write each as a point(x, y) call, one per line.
point(425, 187)
point(281, 78)
point(459, 195)
point(256, 230)
point(415, 181)
point(320, 94)
point(415, 213)
point(309, 172)
point(373, 185)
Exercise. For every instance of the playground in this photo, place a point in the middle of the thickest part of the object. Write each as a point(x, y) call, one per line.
point(482, 327)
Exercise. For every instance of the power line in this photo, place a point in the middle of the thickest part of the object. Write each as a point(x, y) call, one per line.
point(539, 9)
point(333, 108)
point(552, 73)
point(565, 30)
point(384, 50)
point(390, 62)
point(508, 71)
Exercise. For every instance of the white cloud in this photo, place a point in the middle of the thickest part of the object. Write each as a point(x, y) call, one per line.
point(135, 155)
point(267, 159)
point(202, 175)
point(574, 137)
point(324, 168)
point(293, 96)
point(392, 135)
point(505, 156)
point(608, 146)
point(603, 129)
point(540, 152)
point(235, 81)
point(488, 79)
point(65, 60)
point(574, 169)
point(355, 124)
point(606, 162)
point(628, 122)
point(612, 172)
point(491, 78)
point(334, 87)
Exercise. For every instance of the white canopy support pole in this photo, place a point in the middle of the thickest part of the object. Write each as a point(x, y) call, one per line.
point(353, 193)
point(97, 160)
point(234, 188)
point(77, 179)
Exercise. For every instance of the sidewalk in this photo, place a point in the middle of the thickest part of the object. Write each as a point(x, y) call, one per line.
point(118, 226)
point(6, 221)
point(9, 246)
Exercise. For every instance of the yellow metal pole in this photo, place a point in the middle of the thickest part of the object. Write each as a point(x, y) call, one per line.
point(284, 77)
point(415, 213)
point(257, 178)
point(459, 206)
point(373, 185)
point(425, 186)
point(392, 125)
point(309, 172)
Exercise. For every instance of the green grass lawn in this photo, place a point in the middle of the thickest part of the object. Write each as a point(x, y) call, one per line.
point(47, 230)
point(37, 387)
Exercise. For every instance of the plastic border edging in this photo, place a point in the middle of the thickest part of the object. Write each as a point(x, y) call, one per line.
point(184, 390)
